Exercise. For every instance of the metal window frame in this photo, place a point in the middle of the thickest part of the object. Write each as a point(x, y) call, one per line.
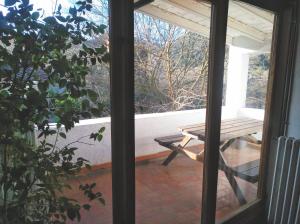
point(217, 44)
point(142, 3)
point(122, 110)
point(271, 5)
point(279, 85)
point(122, 113)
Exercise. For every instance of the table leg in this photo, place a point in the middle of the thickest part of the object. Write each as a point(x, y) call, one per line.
point(232, 181)
point(173, 154)
point(226, 144)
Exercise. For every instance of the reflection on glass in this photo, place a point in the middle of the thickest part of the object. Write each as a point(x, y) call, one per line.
point(249, 37)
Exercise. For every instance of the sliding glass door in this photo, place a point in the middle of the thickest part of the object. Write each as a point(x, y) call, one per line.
point(244, 102)
point(193, 99)
point(171, 71)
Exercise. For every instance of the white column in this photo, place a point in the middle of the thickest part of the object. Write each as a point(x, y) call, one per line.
point(237, 77)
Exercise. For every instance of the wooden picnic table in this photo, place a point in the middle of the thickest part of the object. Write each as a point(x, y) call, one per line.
point(231, 129)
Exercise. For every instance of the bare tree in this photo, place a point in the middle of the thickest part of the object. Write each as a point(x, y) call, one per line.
point(170, 66)
point(259, 65)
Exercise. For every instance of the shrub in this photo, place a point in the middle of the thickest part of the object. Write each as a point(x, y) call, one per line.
point(35, 55)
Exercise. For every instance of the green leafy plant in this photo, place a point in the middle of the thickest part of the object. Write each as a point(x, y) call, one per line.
point(36, 54)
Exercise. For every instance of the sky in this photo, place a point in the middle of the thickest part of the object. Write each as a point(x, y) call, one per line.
point(47, 5)
point(48, 8)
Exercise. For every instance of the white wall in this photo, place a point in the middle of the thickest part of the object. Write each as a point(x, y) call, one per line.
point(237, 77)
point(147, 127)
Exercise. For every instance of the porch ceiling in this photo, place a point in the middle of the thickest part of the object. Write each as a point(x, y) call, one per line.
point(246, 24)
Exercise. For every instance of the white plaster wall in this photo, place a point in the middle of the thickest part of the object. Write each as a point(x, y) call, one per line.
point(147, 127)
point(95, 152)
point(237, 77)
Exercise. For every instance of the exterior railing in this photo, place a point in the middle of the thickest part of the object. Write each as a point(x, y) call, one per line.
point(147, 127)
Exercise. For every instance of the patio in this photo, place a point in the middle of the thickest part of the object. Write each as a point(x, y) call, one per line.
point(169, 194)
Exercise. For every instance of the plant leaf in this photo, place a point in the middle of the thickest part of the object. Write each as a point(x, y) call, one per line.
point(35, 15)
point(63, 135)
point(9, 2)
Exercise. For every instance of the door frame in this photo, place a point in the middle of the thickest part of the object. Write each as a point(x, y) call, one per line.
point(122, 108)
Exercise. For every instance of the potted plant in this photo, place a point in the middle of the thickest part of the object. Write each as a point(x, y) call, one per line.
point(37, 53)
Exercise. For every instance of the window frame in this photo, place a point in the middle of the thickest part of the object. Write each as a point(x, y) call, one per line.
point(277, 100)
point(217, 40)
point(122, 108)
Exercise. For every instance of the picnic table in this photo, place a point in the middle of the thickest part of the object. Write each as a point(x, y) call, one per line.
point(231, 130)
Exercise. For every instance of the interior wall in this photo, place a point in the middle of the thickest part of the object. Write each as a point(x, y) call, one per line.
point(293, 126)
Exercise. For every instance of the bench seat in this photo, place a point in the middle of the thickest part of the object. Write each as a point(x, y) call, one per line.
point(169, 140)
point(248, 171)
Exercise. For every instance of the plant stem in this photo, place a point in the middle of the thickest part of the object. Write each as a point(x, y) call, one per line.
point(5, 189)
point(54, 10)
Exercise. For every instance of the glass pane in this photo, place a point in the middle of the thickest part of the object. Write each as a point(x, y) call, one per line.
point(247, 64)
point(171, 63)
point(97, 152)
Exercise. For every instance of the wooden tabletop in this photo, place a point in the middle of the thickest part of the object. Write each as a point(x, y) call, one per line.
point(230, 129)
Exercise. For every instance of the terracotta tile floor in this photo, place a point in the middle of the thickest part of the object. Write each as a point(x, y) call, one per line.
point(167, 195)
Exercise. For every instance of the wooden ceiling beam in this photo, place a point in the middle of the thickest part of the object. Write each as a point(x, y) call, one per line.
point(175, 19)
point(178, 21)
point(270, 5)
point(203, 9)
point(265, 15)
